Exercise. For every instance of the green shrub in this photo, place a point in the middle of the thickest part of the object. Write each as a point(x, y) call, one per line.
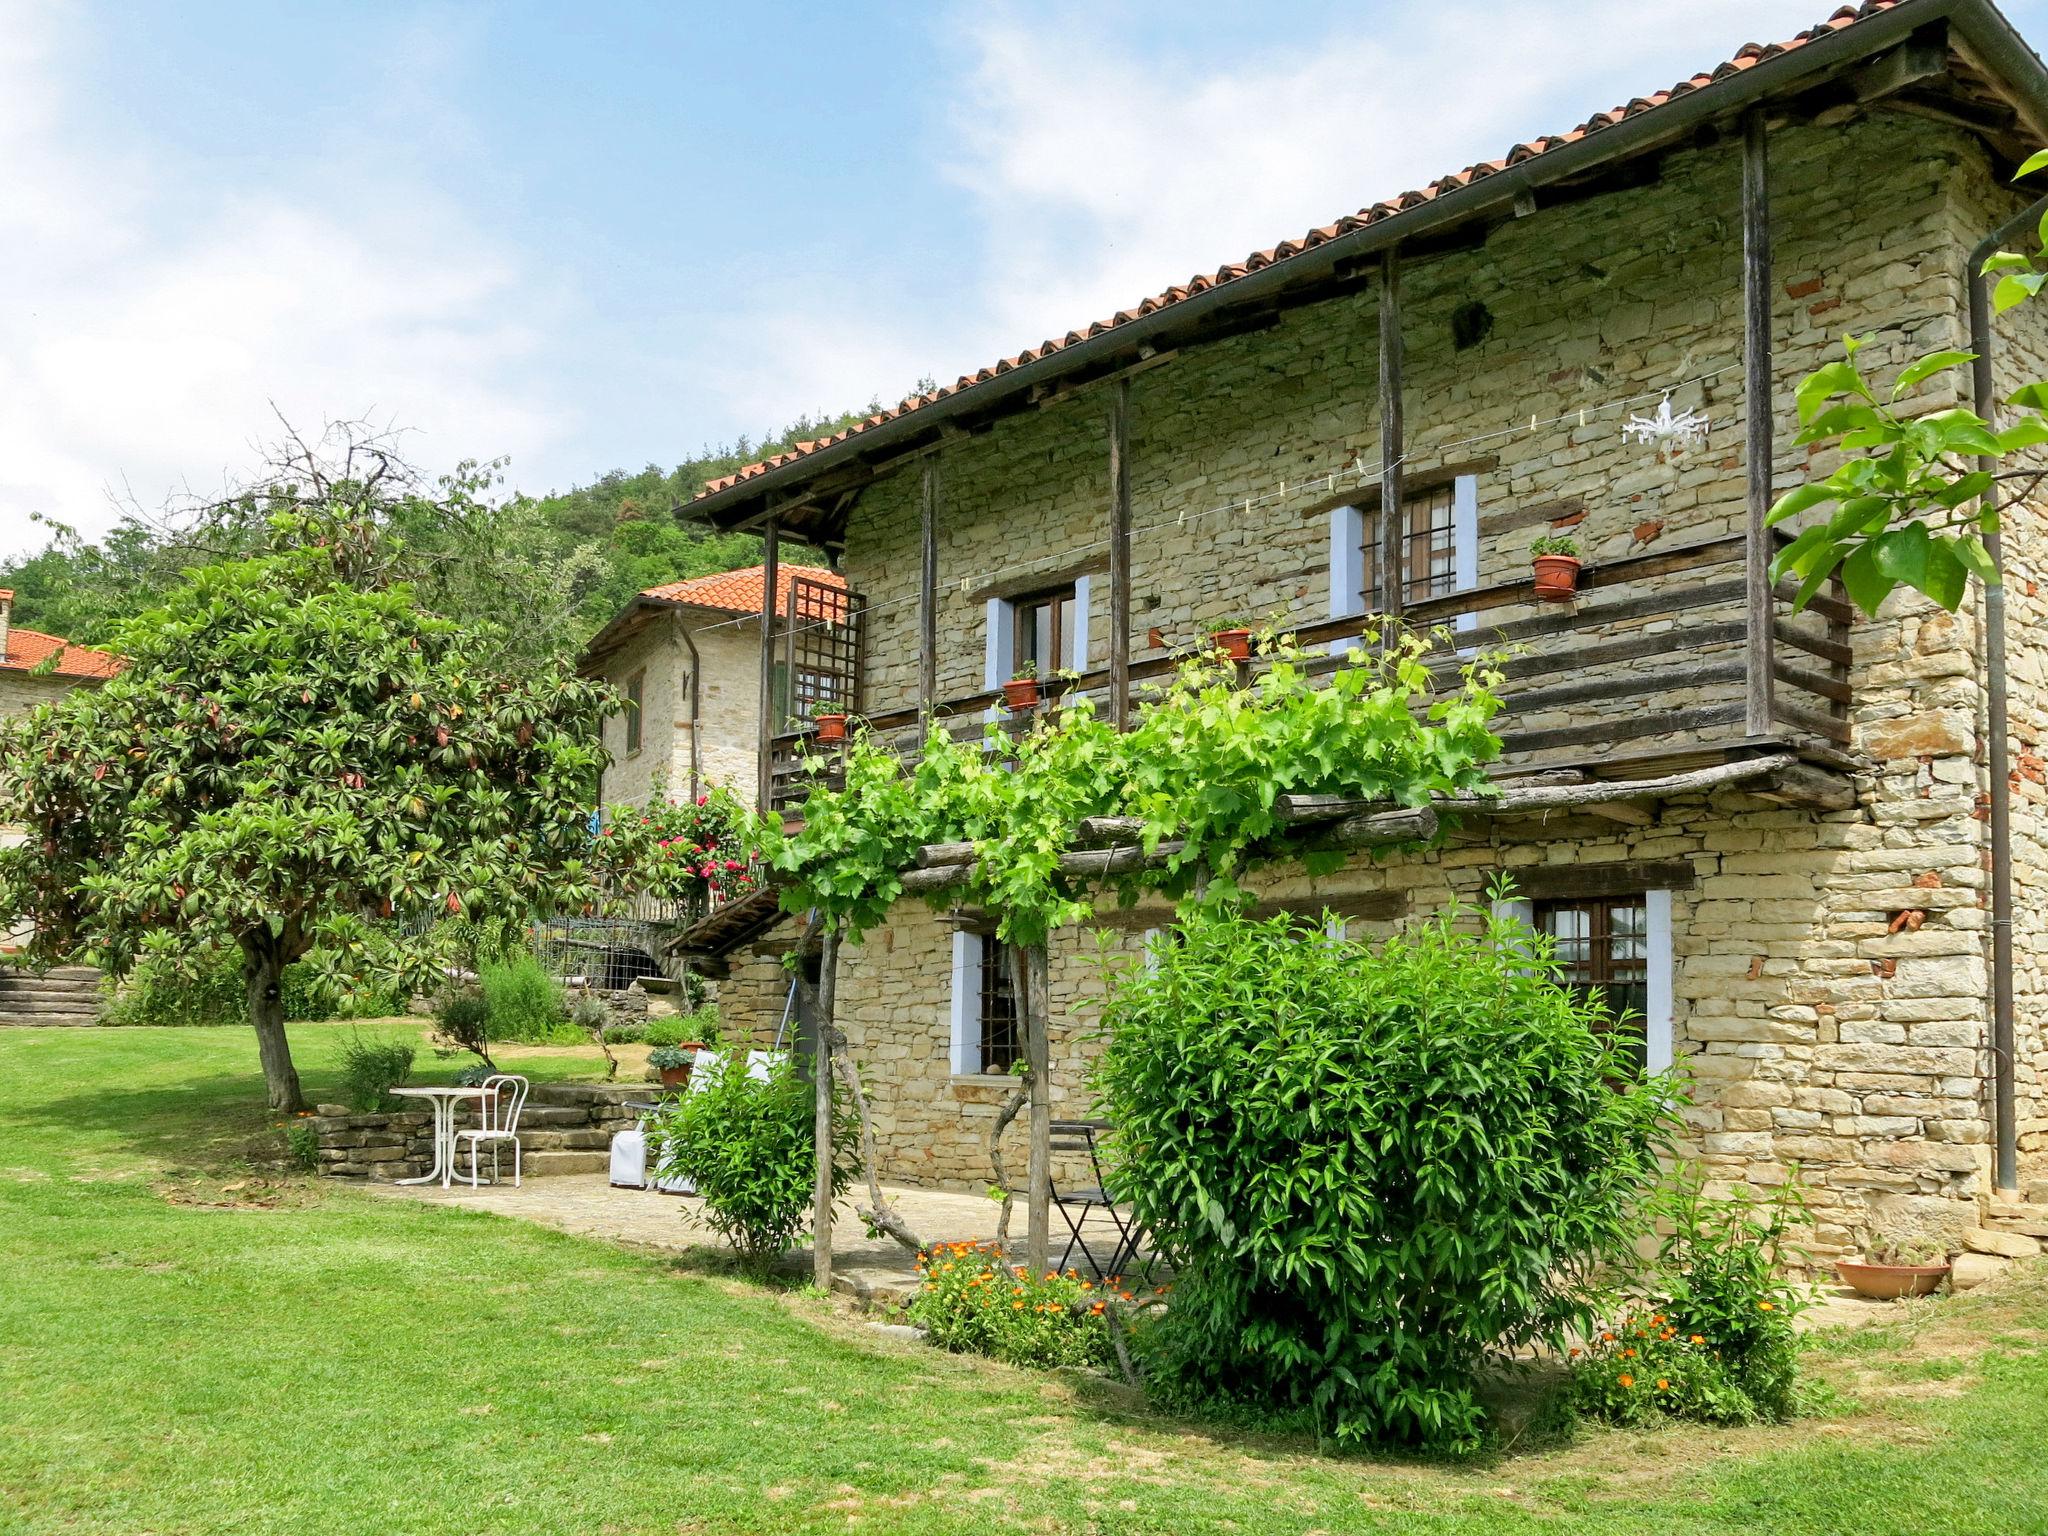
point(972, 1302)
point(701, 1026)
point(462, 1022)
point(526, 1004)
point(1714, 1340)
point(302, 1146)
point(370, 1069)
point(155, 994)
point(1369, 1166)
point(624, 1034)
point(746, 1143)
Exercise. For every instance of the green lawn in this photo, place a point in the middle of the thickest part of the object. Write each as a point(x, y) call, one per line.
point(175, 1359)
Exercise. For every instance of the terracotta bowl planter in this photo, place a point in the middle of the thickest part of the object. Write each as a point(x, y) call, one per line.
point(1557, 578)
point(675, 1077)
point(1888, 1282)
point(831, 727)
point(1233, 643)
point(1020, 692)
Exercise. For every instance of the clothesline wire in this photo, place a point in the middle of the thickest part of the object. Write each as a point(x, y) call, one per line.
point(1323, 483)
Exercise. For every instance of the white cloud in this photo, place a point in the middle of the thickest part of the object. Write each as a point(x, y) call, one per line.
point(154, 319)
point(1104, 173)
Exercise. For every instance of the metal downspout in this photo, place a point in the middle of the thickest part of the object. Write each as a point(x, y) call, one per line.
point(1983, 390)
point(682, 632)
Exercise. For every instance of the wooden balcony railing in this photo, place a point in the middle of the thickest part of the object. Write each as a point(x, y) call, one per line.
point(1652, 662)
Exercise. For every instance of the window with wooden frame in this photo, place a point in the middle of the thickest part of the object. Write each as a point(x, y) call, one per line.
point(636, 696)
point(1429, 549)
point(1602, 944)
point(1042, 629)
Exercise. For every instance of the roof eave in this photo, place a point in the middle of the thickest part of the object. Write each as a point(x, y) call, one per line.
point(1978, 20)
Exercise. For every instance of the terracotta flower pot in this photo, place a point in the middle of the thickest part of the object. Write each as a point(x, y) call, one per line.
point(675, 1077)
point(1021, 692)
point(1557, 578)
point(831, 727)
point(1233, 643)
point(1888, 1282)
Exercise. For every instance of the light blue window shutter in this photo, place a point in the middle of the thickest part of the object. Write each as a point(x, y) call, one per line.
point(1465, 541)
point(966, 1009)
point(1077, 635)
point(1347, 569)
point(1658, 1032)
point(1000, 652)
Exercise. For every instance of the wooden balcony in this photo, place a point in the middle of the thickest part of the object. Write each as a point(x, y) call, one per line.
point(1658, 665)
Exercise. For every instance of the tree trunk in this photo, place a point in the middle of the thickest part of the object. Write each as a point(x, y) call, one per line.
point(1037, 1013)
point(263, 974)
point(821, 1126)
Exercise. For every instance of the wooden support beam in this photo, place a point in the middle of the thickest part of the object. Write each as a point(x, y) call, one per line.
point(771, 561)
point(1809, 788)
point(938, 877)
point(1037, 1000)
point(1381, 829)
point(931, 855)
point(928, 596)
point(1758, 407)
point(1101, 863)
point(821, 1118)
point(1099, 831)
point(1548, 882)
point(1392, 438)
point(1119, 554)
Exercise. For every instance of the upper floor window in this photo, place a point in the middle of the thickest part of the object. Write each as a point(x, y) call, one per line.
point(1439, 535)
point(636, 696)
point(1043, 629)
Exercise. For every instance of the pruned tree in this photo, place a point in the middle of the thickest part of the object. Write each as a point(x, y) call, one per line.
point(294, 751)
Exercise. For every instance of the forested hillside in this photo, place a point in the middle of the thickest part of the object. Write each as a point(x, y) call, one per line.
point(562, 563)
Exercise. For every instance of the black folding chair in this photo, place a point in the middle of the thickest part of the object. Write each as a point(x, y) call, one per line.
point(1077, 1205)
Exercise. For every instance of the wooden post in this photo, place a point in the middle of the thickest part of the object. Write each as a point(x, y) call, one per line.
point(1119, 554)
point(1760, 602)
point(771, 560)
point(1392, 436)
point(928, 597)
point(821, 1125)
point(1037, 1002)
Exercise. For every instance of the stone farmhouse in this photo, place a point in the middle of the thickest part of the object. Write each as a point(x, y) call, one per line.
point(1806, 851)
point(686, 657)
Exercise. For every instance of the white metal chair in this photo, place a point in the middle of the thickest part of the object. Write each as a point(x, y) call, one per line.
point(497, 1122)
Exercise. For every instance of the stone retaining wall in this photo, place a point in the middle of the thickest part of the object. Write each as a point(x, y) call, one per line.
point(565, 1128)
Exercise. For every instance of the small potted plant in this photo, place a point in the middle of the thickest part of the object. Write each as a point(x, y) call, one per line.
point(673, 1062)
point(1895, 1268)
point(1555, 558)
point(1233, 637)
point(831, 725)
point(1021, 691)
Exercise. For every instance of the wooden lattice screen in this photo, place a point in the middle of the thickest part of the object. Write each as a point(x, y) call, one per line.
point(824, 644)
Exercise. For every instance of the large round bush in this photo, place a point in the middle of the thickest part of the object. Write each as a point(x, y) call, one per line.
point(1370, 1165)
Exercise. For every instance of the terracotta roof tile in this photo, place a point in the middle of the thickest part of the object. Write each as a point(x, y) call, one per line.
point(740, 591)
point(28, 648)
point(1746, 57)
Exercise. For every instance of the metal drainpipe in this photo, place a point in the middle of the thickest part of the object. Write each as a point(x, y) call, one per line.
point(682, 632)
point(1983, 391)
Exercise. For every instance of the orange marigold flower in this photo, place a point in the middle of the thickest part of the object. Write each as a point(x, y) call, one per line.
point(1016, 1306)
point(1606, 1338)
point(1763, 1306)
point(1698, 1338)
point(1658, 1318)
point(1663, 1384)
point(1626, 1380)
point(1628, 1354)
point(1575, 1352)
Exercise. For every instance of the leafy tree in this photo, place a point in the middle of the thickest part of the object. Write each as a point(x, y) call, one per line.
point(1910, 505)
point(295, 749)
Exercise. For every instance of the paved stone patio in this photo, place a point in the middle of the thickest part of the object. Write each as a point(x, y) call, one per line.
point(873, 1269)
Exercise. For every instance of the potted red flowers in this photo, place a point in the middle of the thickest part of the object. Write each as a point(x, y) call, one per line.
point(1233, 637)
point(1556, 564)
point(1021, 691)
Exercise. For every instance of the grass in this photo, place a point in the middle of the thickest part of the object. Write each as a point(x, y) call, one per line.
point(193, 1346)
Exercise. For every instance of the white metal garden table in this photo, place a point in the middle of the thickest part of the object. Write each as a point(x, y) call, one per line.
point(443, 1098)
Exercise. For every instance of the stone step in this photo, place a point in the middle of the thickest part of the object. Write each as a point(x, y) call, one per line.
point(57, 973)
point(582, 1140)
point(543, 1164)
point(2006, 1217)
point(12, 1019)
point(82, 986)
point(24, 1001)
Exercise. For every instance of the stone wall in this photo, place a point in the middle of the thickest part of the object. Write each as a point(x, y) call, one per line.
point(728, 698)
point(565, 1128)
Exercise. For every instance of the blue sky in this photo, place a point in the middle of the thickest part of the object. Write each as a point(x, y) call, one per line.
point(600, 235)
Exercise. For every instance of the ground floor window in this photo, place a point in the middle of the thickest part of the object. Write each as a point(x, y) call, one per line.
point(987, 1036)
point(1603, 945)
